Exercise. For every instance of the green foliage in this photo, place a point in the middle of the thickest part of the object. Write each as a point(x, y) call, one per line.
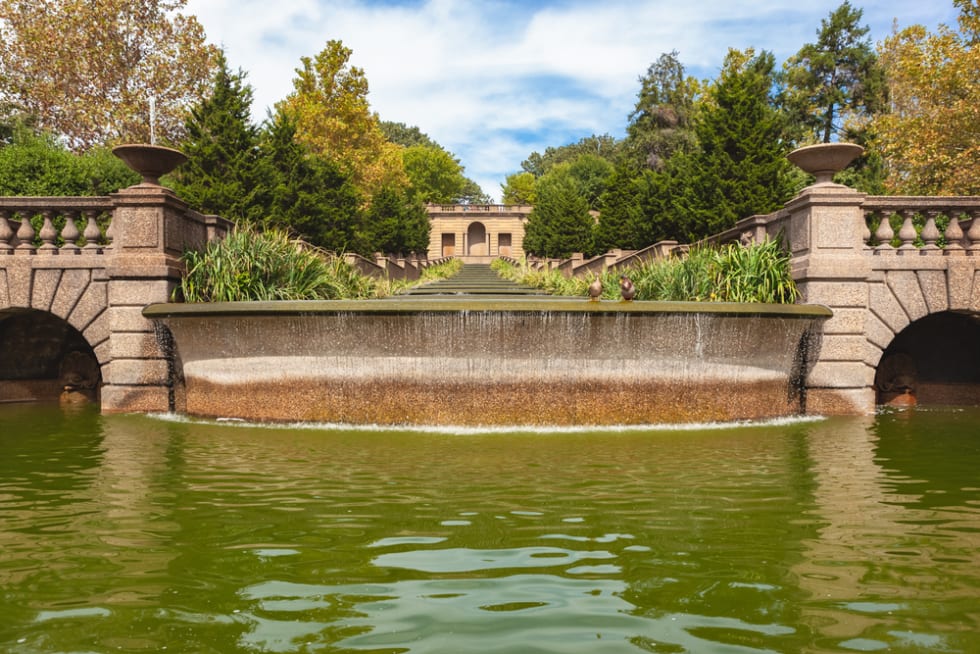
point(560, 222)
point(396, 224)
point(406, 136)
point(36, 164)
point(249, 265)
point(604, 146)
point(730, 273)
point(221, 175)
point(740, 167)
point(433, 174)
point(660, 125)
point(619, 214)
point(836, 80)
point(519, 188)
point(305, 193)
point(552, 281)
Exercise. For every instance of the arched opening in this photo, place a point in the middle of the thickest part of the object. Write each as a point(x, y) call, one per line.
point(476, 240)
point(935, 360)
point(44, 358)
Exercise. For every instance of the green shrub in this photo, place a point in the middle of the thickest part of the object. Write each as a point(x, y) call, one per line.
point(269, 265)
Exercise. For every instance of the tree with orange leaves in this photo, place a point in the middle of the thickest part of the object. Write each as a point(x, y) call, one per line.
point(931, 137)
point(86, 70)
point(330, 106)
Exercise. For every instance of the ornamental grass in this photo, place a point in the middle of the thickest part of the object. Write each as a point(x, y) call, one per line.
point(249, 265)
point(759, 272)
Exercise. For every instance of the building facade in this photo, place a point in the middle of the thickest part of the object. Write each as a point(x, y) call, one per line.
point(477, 233)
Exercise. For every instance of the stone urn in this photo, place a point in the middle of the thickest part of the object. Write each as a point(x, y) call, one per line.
point(824, 160)
point(150, 161)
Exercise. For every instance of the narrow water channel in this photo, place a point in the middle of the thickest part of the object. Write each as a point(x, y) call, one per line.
point(148, 534)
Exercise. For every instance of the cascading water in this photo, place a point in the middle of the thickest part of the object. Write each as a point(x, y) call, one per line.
point(490, 362)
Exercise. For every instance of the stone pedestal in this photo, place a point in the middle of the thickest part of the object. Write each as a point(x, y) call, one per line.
point(826, 237)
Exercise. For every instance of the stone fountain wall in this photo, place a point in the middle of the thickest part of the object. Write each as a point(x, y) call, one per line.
point(491, 362)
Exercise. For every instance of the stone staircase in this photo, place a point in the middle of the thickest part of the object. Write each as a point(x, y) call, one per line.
point(473, 279)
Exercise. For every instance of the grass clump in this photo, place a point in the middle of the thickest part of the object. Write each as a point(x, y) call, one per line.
point(759, 272)
point(249, 265)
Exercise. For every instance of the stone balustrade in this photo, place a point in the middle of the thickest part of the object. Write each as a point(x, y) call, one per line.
point(68, 225)
point(919, 220)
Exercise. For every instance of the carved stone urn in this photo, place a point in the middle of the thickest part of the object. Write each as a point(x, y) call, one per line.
point(824, 160)
point(150, 161)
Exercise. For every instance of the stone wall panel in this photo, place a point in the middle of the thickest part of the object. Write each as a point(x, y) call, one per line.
point(73, 285)
point(44, 287)
point(886, 306)
point(905, 287)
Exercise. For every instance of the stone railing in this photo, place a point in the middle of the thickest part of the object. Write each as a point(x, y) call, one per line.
point(68, 225)
point(480, 208)
point(902, 223)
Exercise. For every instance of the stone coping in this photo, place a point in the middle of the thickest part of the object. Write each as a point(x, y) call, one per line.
point(477, 304)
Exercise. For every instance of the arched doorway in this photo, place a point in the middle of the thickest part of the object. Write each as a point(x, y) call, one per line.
point(45, 359)
point(476, 240)
point(935, 360)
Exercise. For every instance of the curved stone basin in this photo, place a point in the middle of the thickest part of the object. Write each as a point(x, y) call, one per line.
point(476, 361)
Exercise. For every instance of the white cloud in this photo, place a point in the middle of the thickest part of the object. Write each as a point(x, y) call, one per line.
point(493, 81)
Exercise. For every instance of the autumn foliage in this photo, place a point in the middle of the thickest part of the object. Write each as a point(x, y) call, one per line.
point(86, 69)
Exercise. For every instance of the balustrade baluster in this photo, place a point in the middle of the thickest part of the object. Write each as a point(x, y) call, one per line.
point(25, 235)
point(907, 232)
point(954, 234)
point(6, 233)
point(70, 234)
point(930, 233)
point(109, 235)
point(92, 232)
point(885, 233)
point(48, 234)
point(973, 233)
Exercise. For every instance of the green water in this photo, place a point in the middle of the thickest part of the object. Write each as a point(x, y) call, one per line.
point(139, 534)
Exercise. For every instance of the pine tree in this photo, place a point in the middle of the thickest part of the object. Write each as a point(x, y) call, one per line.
point(836, 80)
point(219, 176)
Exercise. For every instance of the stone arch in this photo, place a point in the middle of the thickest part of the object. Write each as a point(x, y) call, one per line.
point(45, 358)
point(477, 243)
point(933, 360)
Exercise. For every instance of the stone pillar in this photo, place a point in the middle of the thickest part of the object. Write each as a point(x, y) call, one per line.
point(826, 238)
point(151, 227)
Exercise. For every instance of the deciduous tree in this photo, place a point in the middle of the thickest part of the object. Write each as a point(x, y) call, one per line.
point(931, 137)
point(87, 69)
point(519, 188)
point(333, 117)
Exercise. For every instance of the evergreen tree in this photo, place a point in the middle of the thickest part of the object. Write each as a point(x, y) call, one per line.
point(304, 193)
point(396, 224)
point(560, 222)
point(660, 125)
point(739, 168)
point(836, 80)
point(618, 213)
point(219, 176)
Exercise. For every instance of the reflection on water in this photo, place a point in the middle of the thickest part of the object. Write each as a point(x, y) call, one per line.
point(135, 534)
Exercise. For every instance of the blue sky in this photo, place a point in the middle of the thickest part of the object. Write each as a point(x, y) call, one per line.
point(493, 81)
